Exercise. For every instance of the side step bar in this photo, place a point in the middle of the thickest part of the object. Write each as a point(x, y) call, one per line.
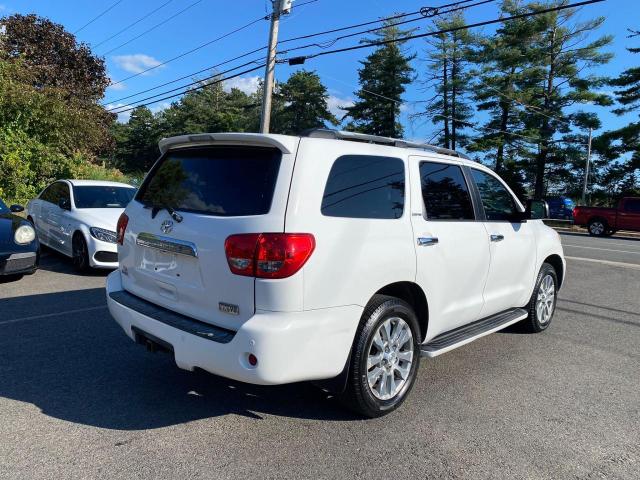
point(468, 333)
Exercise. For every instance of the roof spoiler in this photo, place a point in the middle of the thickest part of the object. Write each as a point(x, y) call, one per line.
point(198, 139)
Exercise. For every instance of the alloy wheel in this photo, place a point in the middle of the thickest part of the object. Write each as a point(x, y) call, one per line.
point(545, 302)
point(596, 228)
point(390, 358)
point(79, 253)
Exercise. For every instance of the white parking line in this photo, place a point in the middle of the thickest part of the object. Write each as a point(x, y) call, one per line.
point(605, 262)
point(605, 249)
point(49, 315)
point(603, 242)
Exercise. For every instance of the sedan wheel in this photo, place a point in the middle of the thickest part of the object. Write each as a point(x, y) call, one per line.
point(80, 254)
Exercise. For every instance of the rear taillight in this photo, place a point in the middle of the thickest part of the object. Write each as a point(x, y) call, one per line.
point(123, 221)
point(268, 255)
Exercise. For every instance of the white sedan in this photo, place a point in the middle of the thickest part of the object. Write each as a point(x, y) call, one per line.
point(78, 218)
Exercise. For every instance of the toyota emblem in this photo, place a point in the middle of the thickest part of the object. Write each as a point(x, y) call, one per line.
point(166, 226)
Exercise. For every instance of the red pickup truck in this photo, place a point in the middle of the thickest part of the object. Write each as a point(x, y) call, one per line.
point(606, 221)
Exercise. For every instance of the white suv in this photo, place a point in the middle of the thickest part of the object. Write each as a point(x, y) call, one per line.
point(334, 257)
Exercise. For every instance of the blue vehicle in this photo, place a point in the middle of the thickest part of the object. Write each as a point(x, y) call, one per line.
point(560, 207)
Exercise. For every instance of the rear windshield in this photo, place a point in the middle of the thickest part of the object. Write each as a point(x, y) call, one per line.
point(221, 181)
point(3, 207)
point(102, 196)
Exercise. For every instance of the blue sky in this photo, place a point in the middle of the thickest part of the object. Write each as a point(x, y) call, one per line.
point(208, 19)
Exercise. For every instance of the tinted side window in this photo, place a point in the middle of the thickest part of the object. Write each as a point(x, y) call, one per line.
point(444, 192)
point(361, 186)
point(63, 192)
point(632, 205)
point(497, 201)
point(48, 193)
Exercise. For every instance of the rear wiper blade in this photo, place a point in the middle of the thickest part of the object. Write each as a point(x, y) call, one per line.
point(156, 208)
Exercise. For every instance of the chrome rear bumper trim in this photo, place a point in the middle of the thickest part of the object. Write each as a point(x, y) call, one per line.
point(166, 244)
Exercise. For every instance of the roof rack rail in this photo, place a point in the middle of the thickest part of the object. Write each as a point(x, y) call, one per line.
point(366, 138)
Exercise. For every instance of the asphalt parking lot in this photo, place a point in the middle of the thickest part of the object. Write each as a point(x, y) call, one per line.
point(79, 400)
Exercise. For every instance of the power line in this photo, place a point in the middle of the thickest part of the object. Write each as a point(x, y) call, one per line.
point(194, 89)
point(144, 17)
point(536, 110)
point(184, 54)
point(362, 46)
point(97, 17)
point(299, 60)
point(195, 82)
point(153, 28)
point(426, 13)
point(190, 75)
point(423, 11)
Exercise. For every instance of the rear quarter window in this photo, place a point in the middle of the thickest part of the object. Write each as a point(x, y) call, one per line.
point(362, 186)
point(219, 181)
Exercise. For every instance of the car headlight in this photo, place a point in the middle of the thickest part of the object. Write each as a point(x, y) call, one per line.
point(103, 235)
point(24, 234)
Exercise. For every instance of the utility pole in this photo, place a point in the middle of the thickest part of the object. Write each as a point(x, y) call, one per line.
point(279, 7)
point(586, 169)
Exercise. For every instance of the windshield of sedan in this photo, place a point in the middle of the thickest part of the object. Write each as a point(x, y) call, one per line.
point(102, 196)
point(3, 207)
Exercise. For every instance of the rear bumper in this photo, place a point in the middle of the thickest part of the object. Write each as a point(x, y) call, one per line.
point(290, 347)
point(18, 263)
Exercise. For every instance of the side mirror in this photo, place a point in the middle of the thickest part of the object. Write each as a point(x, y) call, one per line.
point(537, 209)
point(64, 204)
point(16, 208)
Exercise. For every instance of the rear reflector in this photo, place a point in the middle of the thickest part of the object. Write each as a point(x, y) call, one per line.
point(123, 221)
point(268, 255)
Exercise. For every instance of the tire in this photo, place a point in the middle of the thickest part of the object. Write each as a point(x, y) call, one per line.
point(80, 253)
point(538, 319)
point(597, 227)
point(390, 387)
point(11, 278)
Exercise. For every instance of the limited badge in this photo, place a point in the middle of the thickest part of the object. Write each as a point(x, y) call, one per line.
point(229, 308)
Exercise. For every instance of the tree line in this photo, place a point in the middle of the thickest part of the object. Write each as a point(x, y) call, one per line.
point(514, 99)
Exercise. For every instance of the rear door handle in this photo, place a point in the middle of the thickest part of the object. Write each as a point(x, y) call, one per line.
point(497, 238)
point(427, 241)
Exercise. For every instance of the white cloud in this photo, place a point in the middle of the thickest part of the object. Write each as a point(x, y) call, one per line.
point(160, 107)
point(117, 87)
point(335, 103)
point(247, 85)
point(136, 63)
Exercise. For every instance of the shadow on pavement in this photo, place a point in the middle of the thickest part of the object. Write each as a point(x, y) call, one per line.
point(617, 310)
point(80, 367)
point(52, 261)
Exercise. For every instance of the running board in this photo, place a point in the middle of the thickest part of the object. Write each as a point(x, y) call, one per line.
point(468, 333)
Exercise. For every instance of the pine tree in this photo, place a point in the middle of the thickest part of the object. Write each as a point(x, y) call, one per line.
point(305, 104)
point(449, 78)
point(140, 149)
point(503, 67)
point(383, 77)
point(624, 173)
point(559, 53)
